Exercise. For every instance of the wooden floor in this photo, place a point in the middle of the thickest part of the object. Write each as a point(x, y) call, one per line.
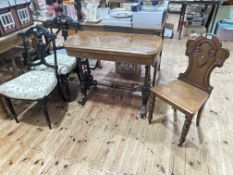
point(108, 137)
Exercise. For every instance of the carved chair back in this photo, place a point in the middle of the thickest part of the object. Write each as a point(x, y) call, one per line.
point(205, 53)
point(42, 41)
point(62, 23)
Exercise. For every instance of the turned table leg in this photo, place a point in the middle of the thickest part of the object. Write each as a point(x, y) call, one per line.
point(145, 91)
point(85, 77)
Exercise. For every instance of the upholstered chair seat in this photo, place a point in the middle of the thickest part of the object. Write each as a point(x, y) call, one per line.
point(32, 85)
point(65, 64)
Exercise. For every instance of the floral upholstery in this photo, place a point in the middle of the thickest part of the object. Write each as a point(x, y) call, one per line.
point(32, 85)
point(65, 64)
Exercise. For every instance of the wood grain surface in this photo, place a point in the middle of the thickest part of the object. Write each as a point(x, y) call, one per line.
point(114, 46)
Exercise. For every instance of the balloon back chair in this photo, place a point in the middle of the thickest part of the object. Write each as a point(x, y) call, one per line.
point(66, 64)
point(190, 92)
point(34, 85)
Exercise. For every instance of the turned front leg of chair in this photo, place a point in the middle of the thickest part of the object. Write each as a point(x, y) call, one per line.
point(12, 110)
point(45, 111)
point(160, 55)
point(155, 74)
point(151, 106)
point(185, 129)
point(199, 114)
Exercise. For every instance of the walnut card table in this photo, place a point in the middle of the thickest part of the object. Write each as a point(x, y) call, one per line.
point(114, 46)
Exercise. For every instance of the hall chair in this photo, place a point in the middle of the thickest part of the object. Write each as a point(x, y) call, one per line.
point(192, 89)
point(34, 85)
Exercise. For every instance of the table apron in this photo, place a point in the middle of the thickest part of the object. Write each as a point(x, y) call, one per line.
point(136, 59)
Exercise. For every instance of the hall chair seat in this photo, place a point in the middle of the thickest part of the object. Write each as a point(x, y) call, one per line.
point(186, 97)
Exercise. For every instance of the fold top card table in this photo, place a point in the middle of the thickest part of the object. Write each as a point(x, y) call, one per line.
point(114, 46)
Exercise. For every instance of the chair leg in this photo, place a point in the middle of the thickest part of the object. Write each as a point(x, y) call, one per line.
point(185, 129)
point(60, 89)
point(155, 73)
point(160, 55)
point(45, 111)
point(199, 115)
point(12, 110)
point(67, 87)
point(175, 114)
point(151, 107)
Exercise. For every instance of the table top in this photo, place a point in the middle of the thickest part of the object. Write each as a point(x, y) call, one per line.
point(136, 46)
